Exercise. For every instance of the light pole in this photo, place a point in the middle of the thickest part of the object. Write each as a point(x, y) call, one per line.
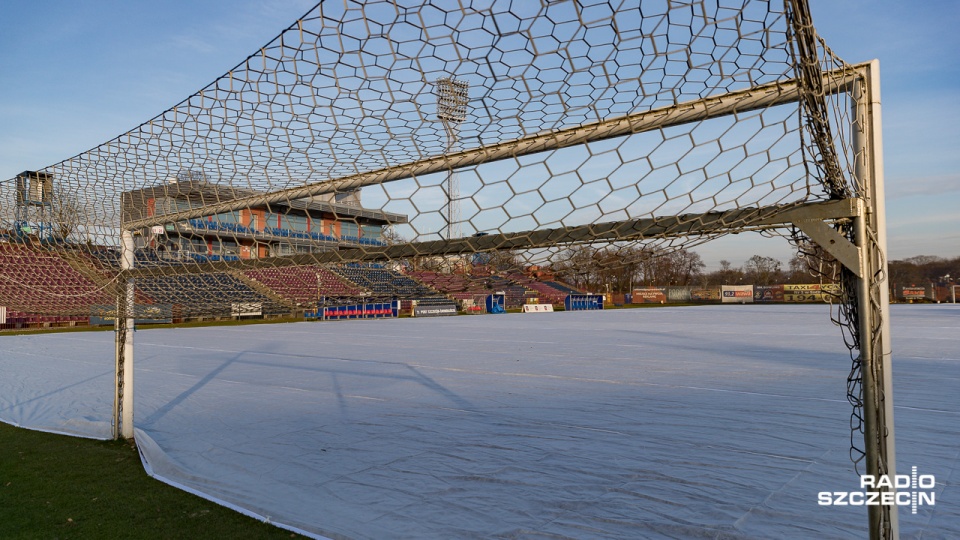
point(452, 97)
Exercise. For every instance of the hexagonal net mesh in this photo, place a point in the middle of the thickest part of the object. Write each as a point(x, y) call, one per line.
point(371, 147)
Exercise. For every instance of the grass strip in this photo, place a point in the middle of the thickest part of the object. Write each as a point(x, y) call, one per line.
point(55, 486)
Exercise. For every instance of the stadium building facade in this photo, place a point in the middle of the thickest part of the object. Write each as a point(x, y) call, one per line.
point(322, 223)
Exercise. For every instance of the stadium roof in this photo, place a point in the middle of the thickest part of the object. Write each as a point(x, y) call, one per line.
point(209, 193)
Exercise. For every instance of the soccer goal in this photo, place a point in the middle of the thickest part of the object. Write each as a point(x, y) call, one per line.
point(371, 146)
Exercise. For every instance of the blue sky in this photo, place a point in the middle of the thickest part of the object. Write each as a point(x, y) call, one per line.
point(77, 74)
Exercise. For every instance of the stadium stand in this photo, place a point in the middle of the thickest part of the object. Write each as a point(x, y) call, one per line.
point(546, 293)
point(191, 295)
point(516, 295)
point(387, 283)
point(45, 283)
point(303, 285)
point(565, 289)
point(142, 258)
point(16, 319)
point(458, 287)
point(454, 285)
point(517, 287)
point(79, 280)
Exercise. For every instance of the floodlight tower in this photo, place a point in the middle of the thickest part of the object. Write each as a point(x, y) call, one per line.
point(452, 97)
point(34, 190)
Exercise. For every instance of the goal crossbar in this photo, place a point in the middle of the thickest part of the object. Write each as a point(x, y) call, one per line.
point(765, 217)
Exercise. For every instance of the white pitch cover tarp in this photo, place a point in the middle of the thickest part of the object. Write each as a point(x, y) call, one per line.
point(674, 422)
point(738, 294)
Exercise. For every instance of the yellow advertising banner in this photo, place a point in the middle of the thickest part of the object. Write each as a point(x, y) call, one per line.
point(815, 292)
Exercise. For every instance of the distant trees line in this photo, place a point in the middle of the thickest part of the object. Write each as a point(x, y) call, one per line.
point(621, 269)
point(924, 270)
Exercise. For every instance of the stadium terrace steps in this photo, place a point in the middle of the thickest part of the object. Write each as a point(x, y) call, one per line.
point(66, 291)
point(78, 281)
point(562, 287)
point(459, 286)
point(515, 295)
point(191, 295)
point(545, 292)
point(386, 283)
point(265, 290)
point(87, 267)
point(303, 285)
point(93, 269)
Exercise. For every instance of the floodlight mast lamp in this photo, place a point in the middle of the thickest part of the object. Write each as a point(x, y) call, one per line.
point(452, 97)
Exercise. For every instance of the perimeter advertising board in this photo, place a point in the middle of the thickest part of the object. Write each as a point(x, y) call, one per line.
point(736, 294)
point(143, 314)
point(705, 295)
point(375, 310)
point(814, 292)
point(768, 293)
point(678, 293)
point(438, 310)
point(246, 309)
point(649, 295)
point(913, 293)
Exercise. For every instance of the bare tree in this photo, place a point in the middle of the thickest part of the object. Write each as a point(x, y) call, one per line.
point(761, 270)
point(620, 268)
point(500, 261)
point(726, 275)
point(924, 269)
point(66, 212)
point(577, 267)
point(391, 237)
point(687, 267)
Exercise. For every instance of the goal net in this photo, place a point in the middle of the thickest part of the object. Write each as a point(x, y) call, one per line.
point(427, 136)
point(372, 147)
